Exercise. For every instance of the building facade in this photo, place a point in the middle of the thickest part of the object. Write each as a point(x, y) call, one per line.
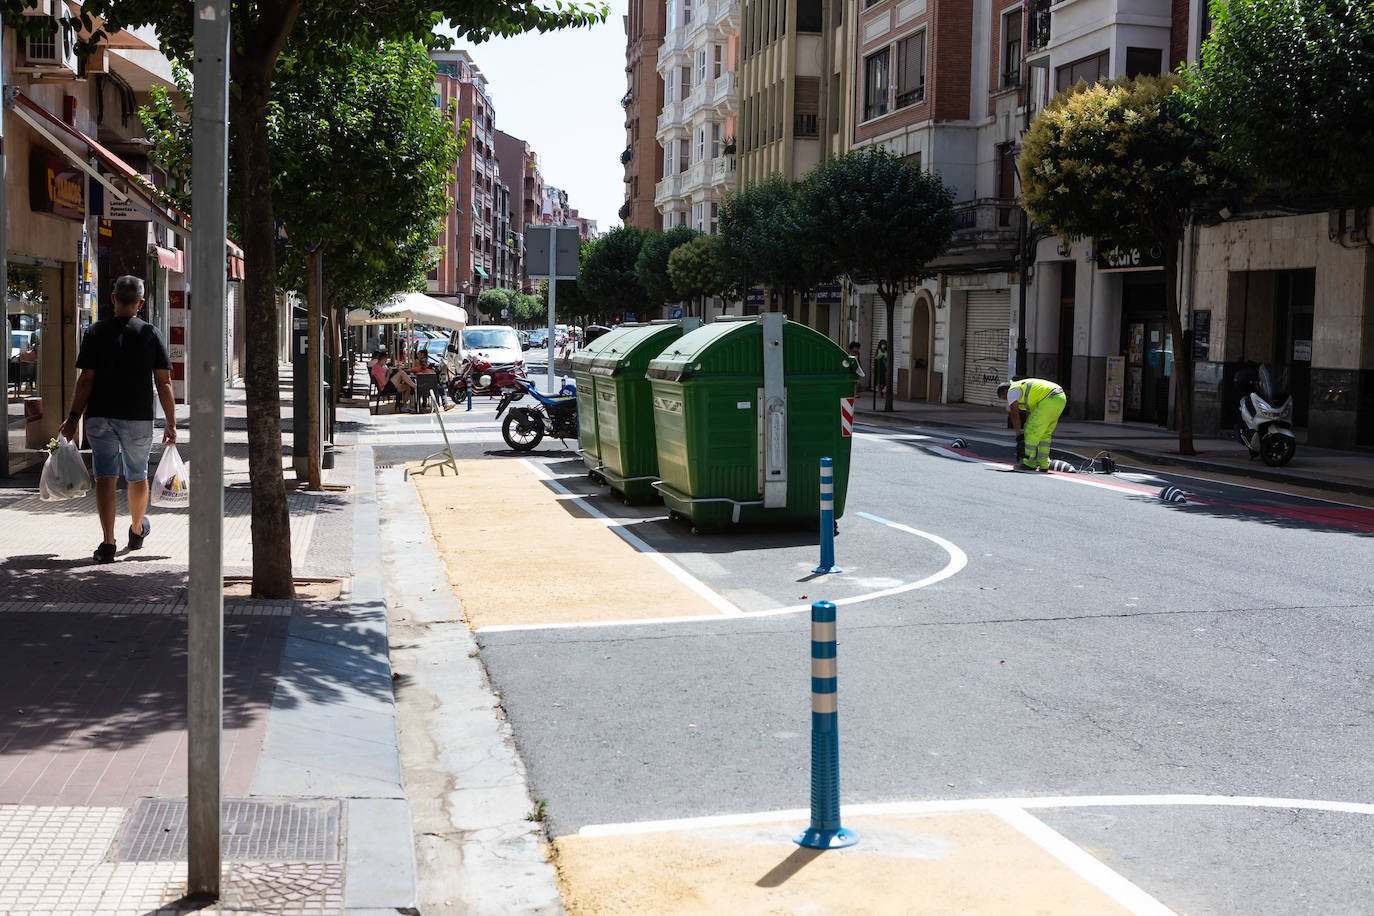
point(524, 205)
point(698, 67)
point(642, 156)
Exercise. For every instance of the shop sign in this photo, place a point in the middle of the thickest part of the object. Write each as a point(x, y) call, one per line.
point(1126, 260)
point(1202, 334)
point(56, 187)
point(754, 297)
point(828, 294)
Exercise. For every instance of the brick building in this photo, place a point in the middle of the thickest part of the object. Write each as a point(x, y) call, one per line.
point(642, 157)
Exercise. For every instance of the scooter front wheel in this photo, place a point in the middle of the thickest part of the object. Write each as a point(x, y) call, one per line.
point(1277, 450)
point(522, 429)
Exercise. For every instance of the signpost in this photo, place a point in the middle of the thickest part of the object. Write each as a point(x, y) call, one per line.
point(551, 254)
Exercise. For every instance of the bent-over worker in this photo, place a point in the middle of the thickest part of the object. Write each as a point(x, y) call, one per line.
point(1043, 402)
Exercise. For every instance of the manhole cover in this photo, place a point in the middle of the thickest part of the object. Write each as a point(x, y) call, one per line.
point(252, 830)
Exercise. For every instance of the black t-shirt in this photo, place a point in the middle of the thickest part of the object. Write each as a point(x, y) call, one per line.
point(123, 352)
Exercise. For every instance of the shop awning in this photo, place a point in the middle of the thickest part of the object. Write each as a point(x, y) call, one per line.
point(45, 122)
point(480, 272)
point(412, 308)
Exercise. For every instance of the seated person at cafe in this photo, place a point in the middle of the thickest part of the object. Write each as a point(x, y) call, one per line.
point(390, 381)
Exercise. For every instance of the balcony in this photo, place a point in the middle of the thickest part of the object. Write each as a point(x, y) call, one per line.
point(725, 14)
point(695, 177)
point(700, 96)
point(986, 225)
point(669, 189)
point(723, 171)
point(1038, 28)
point(725, 94)
point(670, 116)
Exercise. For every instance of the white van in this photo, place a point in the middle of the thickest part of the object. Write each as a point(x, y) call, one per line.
point(495, 343)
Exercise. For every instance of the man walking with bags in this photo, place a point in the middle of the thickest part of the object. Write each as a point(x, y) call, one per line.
point(122, 360)
point(1042, 403)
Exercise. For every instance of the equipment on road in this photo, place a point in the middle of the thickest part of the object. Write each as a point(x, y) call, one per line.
point(551, 414)
point(825, 831)
point(829, 527)
point(1173, 495)
point(1266, 430)
point(959, 443)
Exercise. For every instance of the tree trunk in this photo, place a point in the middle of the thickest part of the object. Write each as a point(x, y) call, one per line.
point(314, 345)
point(1183, 352)
point(271, 523)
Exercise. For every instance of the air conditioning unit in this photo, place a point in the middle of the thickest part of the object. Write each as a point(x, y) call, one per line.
point(54, 49)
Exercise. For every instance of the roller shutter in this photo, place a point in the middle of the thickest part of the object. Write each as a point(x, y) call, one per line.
point(987, 330)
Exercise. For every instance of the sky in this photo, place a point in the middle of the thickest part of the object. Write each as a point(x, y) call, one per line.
point(561, 92)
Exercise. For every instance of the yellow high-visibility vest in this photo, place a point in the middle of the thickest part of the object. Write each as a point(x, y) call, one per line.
point(1034, 390)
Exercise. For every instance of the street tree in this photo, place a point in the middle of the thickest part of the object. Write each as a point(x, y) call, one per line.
point(607, 281)
point(260, 31)
point(362, 125)
point(696, 270)
point(1124, 162)
point(763, 237)
point(1286, 87)
point(527, 308)
point(651, 267)
point(875, 218)
point(492, 302)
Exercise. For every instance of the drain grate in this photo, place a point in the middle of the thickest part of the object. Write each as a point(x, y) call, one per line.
point(252, 830)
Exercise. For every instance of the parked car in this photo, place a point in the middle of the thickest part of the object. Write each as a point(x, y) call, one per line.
point(539, 338)
point(494, 343)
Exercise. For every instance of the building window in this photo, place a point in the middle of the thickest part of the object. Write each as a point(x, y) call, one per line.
point(715, 216)
point(686, 11)
point(685, 77)
point(669, 86)
point(1087, 70)
point(808, 15)
point(696, 217)
point(717, 142)
point(1011, 49)
point(683, 153)
point(1144, 61)
point(911, 70)
point(668, 152)
point(719, 67)
point(875, 84)
point(701, 66)
point(701, 144)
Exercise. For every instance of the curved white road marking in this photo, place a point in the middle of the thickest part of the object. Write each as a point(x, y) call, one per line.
point(957, 561)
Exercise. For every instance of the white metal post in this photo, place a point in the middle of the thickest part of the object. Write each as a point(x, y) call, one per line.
point(205, 394)
point(4, 263)
point(553, 287)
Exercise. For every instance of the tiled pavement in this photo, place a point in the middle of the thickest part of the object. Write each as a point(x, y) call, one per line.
point(92, 699)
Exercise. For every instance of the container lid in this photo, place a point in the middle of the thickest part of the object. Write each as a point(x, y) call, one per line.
point(582, 359)
point(631, 351)
point(725, 349)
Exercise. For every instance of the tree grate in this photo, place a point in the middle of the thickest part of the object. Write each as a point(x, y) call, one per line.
point(251, 830)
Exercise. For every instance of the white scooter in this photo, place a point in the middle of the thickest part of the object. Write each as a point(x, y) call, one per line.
point(1265, 429)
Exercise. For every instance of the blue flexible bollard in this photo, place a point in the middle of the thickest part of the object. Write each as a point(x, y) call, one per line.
point(825, 831)
point(827, 518)
point(469, 394)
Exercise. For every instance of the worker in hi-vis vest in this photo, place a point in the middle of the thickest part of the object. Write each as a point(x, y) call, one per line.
point(1042, 402)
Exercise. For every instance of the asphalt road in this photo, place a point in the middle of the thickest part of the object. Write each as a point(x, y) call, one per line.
point(1095, 641)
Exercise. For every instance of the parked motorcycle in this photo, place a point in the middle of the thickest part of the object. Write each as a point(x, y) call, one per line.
point(551, 414)
point(483, 378)
point(1266, 429)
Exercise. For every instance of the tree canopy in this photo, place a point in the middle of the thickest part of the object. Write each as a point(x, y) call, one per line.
point(1289, 88)
point(651, 268)
point(876, 219)
point(607, 280)
point(767, 237)
point(491, 302)
point(695, 269)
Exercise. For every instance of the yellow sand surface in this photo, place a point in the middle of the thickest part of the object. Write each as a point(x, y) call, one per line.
point(934, 865)
point(517, 552)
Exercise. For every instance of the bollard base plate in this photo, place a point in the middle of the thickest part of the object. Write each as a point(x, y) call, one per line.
point(827, 570)
point(812, 838)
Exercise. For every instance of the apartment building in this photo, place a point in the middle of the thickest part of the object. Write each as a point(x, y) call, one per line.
point(524, 206)
point(642, 157)
point(475, 232)
point(697, 64)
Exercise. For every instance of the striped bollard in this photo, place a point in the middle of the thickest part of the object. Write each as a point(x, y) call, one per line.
point(469, 394)
point(827, 518)
point(825, 831)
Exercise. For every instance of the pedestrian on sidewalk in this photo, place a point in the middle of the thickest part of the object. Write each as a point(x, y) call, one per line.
point(122, 359)
point(880, 369)
point(858, 364)
point(1042, 402)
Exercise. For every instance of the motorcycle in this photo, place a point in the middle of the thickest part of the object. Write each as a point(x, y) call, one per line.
point(484, 378)
point(551, 414)
point(1266, 429)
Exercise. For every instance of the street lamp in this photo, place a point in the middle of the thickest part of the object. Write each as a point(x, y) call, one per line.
point(1022, 242)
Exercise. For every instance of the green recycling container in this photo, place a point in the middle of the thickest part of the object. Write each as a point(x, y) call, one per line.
point(588, 441)
point(740, 434)
point(624, 408)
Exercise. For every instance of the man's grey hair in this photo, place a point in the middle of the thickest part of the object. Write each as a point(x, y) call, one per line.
point(128, 289)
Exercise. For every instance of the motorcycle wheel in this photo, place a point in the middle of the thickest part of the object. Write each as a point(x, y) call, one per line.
point(522, 429)
point(1277, 451)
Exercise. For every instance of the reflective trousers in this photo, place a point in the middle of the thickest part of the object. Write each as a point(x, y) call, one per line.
point(1040, 424)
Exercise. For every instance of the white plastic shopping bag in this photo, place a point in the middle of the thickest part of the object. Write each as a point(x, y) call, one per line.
point(64, 473)
point(172, 480)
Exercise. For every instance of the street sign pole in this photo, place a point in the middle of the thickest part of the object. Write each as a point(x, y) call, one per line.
point(553, 288)
point(205, 390)
point(4, 262)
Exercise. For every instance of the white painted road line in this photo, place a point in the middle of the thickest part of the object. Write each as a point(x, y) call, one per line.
point(898, 809)
point(1082, 863)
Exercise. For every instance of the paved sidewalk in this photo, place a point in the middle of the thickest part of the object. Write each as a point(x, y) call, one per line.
point(93, 705)
point(1144, 443)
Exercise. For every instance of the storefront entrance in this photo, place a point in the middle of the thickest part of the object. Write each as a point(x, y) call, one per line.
point(1148, 347)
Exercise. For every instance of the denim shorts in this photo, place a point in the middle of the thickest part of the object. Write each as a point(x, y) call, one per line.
point(112, 440)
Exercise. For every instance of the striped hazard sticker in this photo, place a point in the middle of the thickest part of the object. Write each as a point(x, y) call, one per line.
point(846, 417)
